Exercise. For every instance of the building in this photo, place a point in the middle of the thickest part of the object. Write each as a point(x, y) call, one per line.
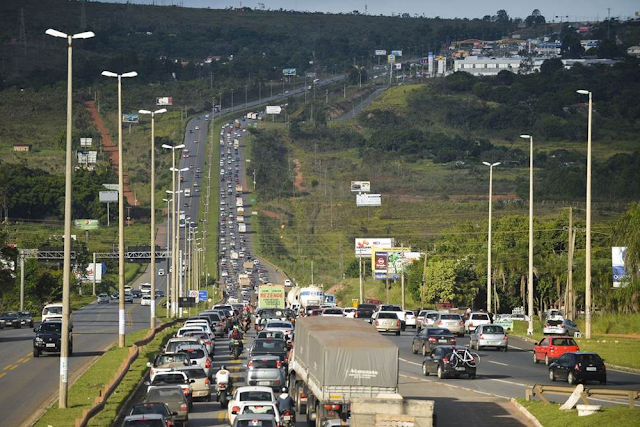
point(484, 66)
point(22, 147)
point(634, 51)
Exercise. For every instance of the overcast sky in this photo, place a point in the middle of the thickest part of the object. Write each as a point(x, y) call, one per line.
point(577, 10)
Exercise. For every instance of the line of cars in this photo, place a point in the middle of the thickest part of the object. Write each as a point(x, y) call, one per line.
point(16, 319)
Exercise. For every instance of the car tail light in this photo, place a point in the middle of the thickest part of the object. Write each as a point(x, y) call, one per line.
point(277, 382)
point(207, 363)
point(505, 337)
point(480, 337)
point(183, 407)
point(577, 367)
point(219, 323)
point(278, 364)
point(398, 323)
point(604, 368)
point(235, 409)
point(470, 323)
point(208, 342)
point(250, 364)
point(461, 323)
point(355, 315)
point(206, 381)
point(439, 322)
point(303, 395)
point(332, 407)
point(432, 339)
point(377, 323)
point(445, 360)
point(452, 340)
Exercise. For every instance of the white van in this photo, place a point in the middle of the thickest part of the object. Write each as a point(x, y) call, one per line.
point(54, 311)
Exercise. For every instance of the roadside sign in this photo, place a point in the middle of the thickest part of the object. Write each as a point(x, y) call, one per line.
point(87, 224)
point(203, 295)
point(391, 59)
point(354, 303)
point(186, 302)
point(273, 109)
point(507, 325)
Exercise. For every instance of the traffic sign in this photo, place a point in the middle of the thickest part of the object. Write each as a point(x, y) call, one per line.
point(391, 59)
point(203, 295)
point(273, 109)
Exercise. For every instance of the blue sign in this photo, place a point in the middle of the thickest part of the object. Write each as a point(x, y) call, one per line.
point(203, 295)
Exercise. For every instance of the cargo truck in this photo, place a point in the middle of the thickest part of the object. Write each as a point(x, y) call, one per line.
point(236, 123)
point(240, 218)
point(240, 211)
point(236, 143)
point(333, 363)
point(243, 280)
point(239, 202)
point(239, 188)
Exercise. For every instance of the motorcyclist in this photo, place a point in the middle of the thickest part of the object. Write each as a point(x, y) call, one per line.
point(224, 375)
point(235, 335)
point(285, 403)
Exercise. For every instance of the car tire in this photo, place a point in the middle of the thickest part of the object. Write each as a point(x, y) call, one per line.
point(535, 358)
point(552, 375)
point(471, 345)
point(440, 372)
point(505, 349)
point(425, 371)
point(36, 352)
point(478, 347)
point(424, 351)
point(413, 349)
point(472, 376)
point(397, 333)
point(571, 379)
point(546, 359)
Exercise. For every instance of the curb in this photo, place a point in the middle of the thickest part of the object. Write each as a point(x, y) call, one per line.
point(526, 413)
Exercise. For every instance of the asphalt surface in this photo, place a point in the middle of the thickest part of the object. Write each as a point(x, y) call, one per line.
point(361, 105)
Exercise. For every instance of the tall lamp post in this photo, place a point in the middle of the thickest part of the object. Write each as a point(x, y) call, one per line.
point(587, 291)
point(121, 326)
point(152, 318)
point(173, 149)
point(168, 232)
point(177, 270)
point(491, 166)
point(64, 340)
point(530, 279)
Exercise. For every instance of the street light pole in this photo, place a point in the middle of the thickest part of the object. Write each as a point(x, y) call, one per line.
point(166, 273)
point(530, 279)
point(152, 318)
point(64, 339)
point(587, 292)
point(491, 166)
point(121, 325)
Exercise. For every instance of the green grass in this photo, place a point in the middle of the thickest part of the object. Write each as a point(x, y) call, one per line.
point(83, 392)
point(551, 416)
point(613, 323)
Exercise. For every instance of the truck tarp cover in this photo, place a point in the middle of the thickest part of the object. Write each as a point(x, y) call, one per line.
point(346, 352)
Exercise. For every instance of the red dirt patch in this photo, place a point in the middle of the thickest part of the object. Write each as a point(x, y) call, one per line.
point(271, 214)
point(298, 179)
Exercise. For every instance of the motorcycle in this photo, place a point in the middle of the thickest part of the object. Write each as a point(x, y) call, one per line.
point(236, 349)
point(287, 419)
point(223, 387)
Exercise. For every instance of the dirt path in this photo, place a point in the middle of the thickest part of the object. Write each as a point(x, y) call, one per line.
point(297, 181)
point(271, 214)
point(110, 147)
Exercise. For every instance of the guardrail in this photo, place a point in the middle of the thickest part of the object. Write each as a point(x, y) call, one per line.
point(539, 390)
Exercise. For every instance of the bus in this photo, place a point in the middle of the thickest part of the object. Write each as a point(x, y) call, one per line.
point(145, 288)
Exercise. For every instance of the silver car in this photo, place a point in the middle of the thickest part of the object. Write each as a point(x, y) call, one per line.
point(451, 321)
point(489, 336)
point(266, 371)
point(425, 319)
point(560, 327)
point(387, 321)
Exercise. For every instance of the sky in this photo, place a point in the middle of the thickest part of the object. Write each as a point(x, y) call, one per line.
point(576, 10)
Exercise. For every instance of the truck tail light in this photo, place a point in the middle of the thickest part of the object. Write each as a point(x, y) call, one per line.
point(303, 395)
point(332, 407)
point(278, 364)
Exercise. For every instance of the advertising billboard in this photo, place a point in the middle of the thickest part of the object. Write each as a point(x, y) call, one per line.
point(98, 269)
point(367, 199)
point(271, 296)
point(273, 109)
point(617, 263)
point(87, 157)
point(392, 261)
point(130, 118)
point(86, 142)
point(87, 224)
point(361, 186)
point(164, 100)
point(396, 52)
point(288, 71)
point(108, 197)
point(363, 245)
point(381, 52)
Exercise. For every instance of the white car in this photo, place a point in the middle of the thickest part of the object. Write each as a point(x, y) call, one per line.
point(145, 300)
point(190, 328)
point(280, 325)
point(260, 407)
point(248, 394)
point(476, 319)
point(161, 272)
point(410, 318)
point(350, 312)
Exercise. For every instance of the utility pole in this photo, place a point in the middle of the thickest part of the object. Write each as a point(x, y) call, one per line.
point(95, 268)
point(387, 278)
point(569, 293)
point(424, 280)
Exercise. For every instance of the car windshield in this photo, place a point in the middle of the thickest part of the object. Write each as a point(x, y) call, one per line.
point(150, 408)
point(51, 327)
point(264, 364)
point(255, 396)
point(387, 316)
point(53, 310)
point(480, 317)
point(171, 358)
point(144, 423)
point(564, 341)
point(493, 330)
point(268, 345)
point(165, 395)
point(279, 325)
point(258, 409)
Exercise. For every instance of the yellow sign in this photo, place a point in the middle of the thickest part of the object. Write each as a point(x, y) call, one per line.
point(354, 303)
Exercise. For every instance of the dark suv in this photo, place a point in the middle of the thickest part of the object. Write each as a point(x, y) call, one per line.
point(47, 338)
point(365, 311)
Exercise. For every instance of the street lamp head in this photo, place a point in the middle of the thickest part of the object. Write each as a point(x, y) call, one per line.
point(144, 111)
point(129, 74)
point(109, 74)
point(169, 147)
point(177, 147)
point(525, 136)
point(85, 35)
point(486, 163)
point(495, 164)
point(583, 92)
point(56, 33)
point(160, 111)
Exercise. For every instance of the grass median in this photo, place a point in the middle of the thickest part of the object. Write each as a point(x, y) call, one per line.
point(85, 389)
point(549, 415)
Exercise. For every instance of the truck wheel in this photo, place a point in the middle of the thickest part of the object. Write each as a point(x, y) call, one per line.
point(319, 417)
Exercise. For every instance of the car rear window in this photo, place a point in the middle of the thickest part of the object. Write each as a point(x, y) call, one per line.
point(255, 423)
point(554, 322)
point(166, 395)
point(450, 317)
point(438, 331)
point(278, 325)
point(276, 345)
point(592, 359)
point(144, 423)
point(265, 363)
point(170, 358)
point(195, 374)
point(258, 409)
point(387, 316)
point(493, 330)
point(193, 353)
point(480, 317)
point(255, 396)
point(271, 334)
point(150, 408)
point(432, 316)
point(563, 341)
point(168, 379)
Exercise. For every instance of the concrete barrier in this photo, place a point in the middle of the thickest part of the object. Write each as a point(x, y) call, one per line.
point(391, 412)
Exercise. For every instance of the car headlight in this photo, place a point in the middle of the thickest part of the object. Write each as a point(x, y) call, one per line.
point(38, 339)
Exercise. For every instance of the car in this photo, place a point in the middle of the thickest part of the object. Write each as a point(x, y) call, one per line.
point(410, 318)
point(365, 311)
point(163, 362)
point(426, 318)
point(174, 398)
point(205, 339)
point(350, 312)
point(145, 300)
point(279, 325)
point(217, 322)
point(48, 338)
point(161, 272)
point(144, 420)
point(11, 319)
point(269, 346)
point(449, 360)
point(554, 314)
point(333, 312)
point(103, 299)
point(160, 294)
point(429, 338)
point(271, 334)
point(159, 408)
point(128, 298)
point(200, 382)
point(476, 319)
point(198, 355)
point(489, 336)
point(579, 367)
point(451, 321)
point(197, 127)
point(560, 327)
point(172, 378)
point(387, 321)
point(136, 293)
point(551, 348)
point(52, 311)
point(267, 371)
point(259, 408)
point(257, 420)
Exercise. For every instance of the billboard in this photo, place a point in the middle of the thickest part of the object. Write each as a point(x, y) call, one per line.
point(130, 118)
point(397, 66)
point(311, 74)
point(98, 269)
point(87, 157)
point(271, 296)
point(288, 71)
point(363, 245)
point(381, 52)
point(396, 52)
point(391, 59)
point(617, 263)
point(108, 197)
point(392, 261)
point(273, 109)
point(86, 142)
point(361, 186)
point(367, 199)
point(87, 224)
point(164, 100)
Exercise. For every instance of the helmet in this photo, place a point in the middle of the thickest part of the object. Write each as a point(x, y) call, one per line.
point(284, 389)
point(223, 368)
point(235, 326)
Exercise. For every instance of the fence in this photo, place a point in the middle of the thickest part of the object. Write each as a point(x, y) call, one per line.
point(539, 390)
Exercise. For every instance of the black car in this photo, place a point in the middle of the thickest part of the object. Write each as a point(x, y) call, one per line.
point(11, 319)
point(160, 294)
point(449, 361)
point(47, 338)
point(270, 346)
point(579, 367)
point(153, 408)
point(137, 293)
point(26, 319)
point(365, 311)
point(429, 338)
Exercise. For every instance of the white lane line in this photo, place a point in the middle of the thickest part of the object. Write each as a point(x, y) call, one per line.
point(509, 382)
point(497, 363)
point(410, 362)
point(517, 348)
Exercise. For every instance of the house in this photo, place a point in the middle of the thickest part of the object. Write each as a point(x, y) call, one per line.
point(22, 147)
point(634, 51)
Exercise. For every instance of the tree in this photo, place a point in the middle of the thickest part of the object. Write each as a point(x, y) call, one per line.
point(571, 47)
point(535, 19)
point(551, 66)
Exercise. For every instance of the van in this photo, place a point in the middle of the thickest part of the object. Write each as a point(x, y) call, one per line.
point(54, 311)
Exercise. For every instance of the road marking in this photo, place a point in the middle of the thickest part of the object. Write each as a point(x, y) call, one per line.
point(10, 367)
point(410, 362)
point(509, 382)
point(222, 416)
point(497, 363)
point(2, 374)
point(23, 360)
point(517, 348)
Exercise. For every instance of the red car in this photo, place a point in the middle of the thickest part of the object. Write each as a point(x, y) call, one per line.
point(551, 348)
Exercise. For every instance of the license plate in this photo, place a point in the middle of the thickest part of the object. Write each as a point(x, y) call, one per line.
point(460, 369)
point(51, 345)
point(286, 417)
point(442, 341)
point(264, 383)
point(591, 368)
